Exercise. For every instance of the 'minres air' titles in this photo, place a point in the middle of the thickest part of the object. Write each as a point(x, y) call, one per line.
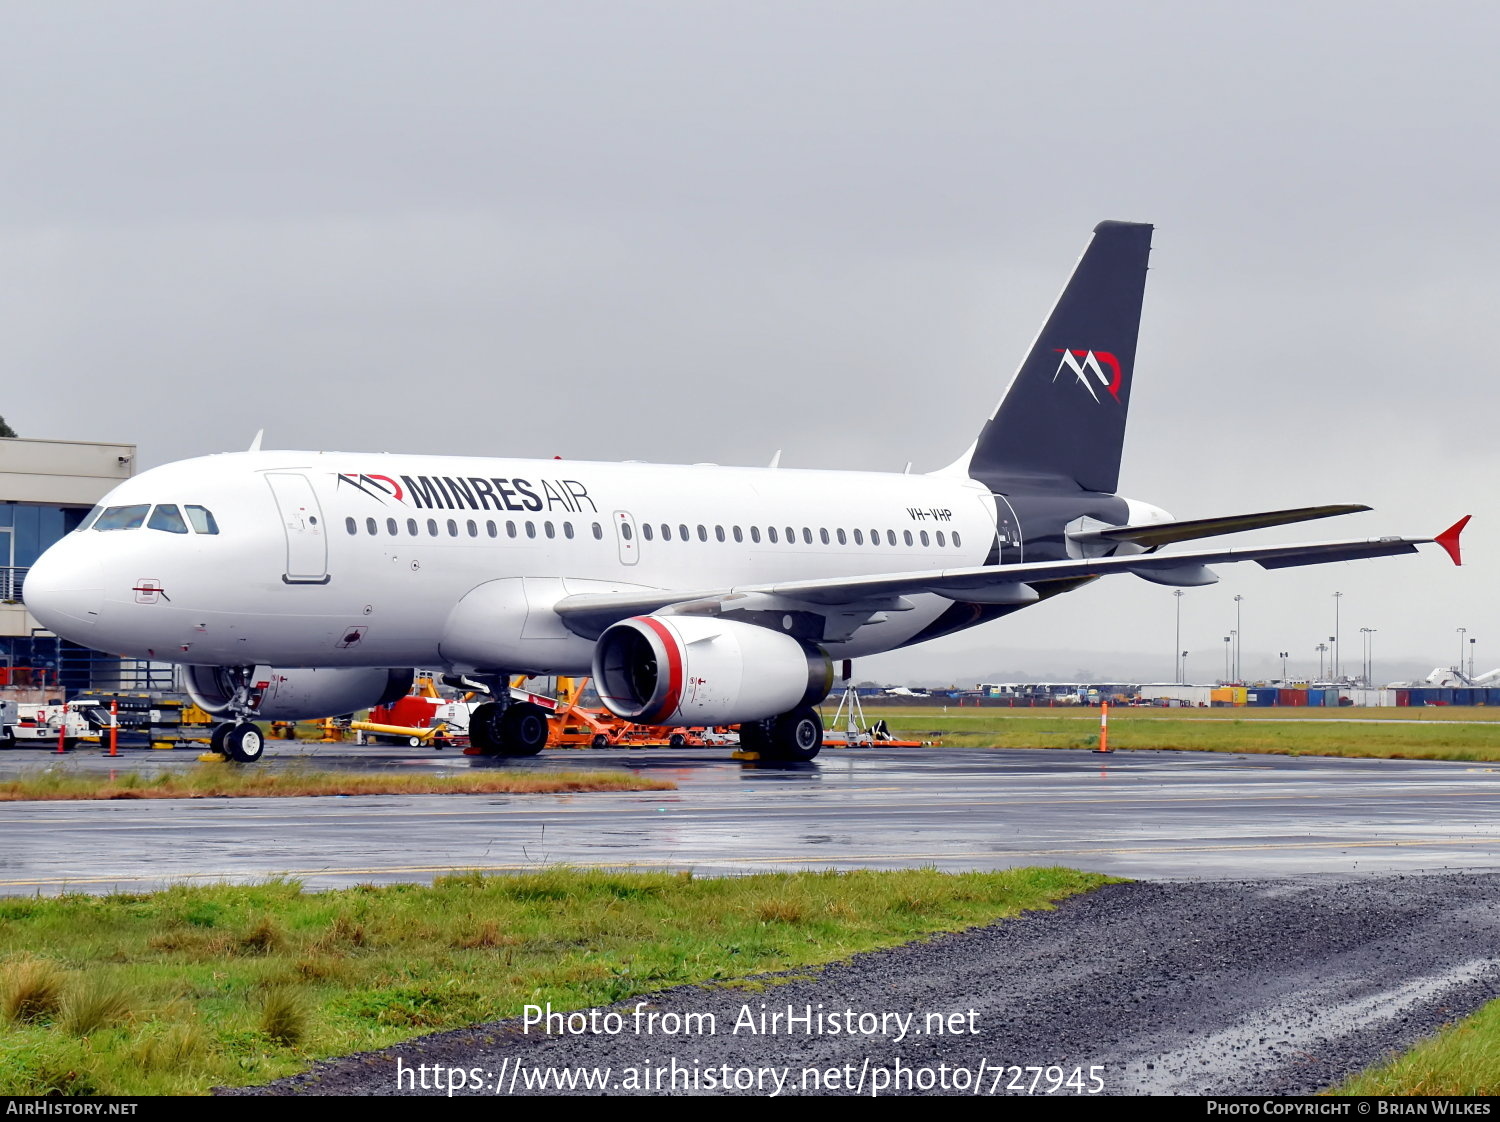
point(449, 492)
point(475, 492)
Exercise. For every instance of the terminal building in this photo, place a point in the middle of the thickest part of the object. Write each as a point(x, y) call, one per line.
point(46, 488)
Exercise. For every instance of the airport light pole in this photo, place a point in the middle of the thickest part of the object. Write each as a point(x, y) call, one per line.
point(1177, 645)
point(1284, 656)
point(1239, 642)
point(1471, 658)
point(1460, 666)
point(1368, 634)
point(1182, 677)
point(1321, 648)
point(1334, 639)
point(1226, 659)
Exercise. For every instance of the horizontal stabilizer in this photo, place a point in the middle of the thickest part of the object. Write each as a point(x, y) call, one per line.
point(1165, 533)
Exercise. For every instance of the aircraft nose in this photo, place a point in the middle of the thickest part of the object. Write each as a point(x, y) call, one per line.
point(64, 590)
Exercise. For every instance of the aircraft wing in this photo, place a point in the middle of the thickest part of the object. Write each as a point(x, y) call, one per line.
point(994, 584)
point(1156, 534)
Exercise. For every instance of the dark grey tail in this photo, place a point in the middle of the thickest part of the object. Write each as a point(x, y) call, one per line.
point(1061, 423)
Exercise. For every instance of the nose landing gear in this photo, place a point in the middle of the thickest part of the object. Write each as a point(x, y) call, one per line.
point(238, 739)
point(241, 742)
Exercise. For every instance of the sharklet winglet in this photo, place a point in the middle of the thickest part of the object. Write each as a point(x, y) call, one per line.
point(1448, 539)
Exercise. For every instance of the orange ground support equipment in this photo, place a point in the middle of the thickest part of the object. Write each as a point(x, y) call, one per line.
point(573, 726)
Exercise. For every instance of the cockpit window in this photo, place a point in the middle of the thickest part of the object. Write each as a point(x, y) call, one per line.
point(167, 517)
point(202, 519)
point(123, 517)
point(88, 519)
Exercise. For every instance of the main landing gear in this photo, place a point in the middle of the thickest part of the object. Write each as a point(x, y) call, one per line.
point(516, 729)
point(793, 737)
point(504, 726)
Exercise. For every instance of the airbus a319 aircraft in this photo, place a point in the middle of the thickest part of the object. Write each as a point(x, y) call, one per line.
point(303, 584)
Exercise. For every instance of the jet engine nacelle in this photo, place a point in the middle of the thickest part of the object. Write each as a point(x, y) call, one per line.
point(697, 670)
point(292, 695)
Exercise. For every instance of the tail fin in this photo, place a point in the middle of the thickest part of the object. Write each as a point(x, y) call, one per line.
point(1062, 419)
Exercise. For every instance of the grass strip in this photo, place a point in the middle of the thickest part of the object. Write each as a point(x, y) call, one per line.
point(1463, 1059)
point(179, 991)
point(212, 781)
point(1226, 731)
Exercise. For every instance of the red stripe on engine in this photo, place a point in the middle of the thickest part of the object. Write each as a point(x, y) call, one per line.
point(674, 672)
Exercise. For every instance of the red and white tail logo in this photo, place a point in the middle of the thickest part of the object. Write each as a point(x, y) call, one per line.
point(1087, 363)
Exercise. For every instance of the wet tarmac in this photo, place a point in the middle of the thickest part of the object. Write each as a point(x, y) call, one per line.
point(1142, 814)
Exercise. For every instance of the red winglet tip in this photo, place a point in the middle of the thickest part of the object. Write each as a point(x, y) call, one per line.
point(1448, 539)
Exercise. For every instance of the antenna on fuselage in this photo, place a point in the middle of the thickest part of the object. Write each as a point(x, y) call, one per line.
point(776, 459)
point(255, 444)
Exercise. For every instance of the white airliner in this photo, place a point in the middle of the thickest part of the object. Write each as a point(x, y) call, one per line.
point(303, 584)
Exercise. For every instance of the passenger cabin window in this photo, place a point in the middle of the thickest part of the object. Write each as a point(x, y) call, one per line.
point(167, 517)
point(598, 532)
point(823, 534)
point(351, 525)
point(939, 535)
point(755, 534)
point(123, 517)
point(370, 525)
point(411, 526)
point(666, 532)
point(568, 531)
point(391, 528)
point(646, 531)
point(719, 532)
point(510, 529)
point(956, 543)
point(738, 536)
point(771, 533)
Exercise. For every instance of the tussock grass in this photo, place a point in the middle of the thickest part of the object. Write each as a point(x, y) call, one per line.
point(30, 990)
point(196, 987)
point(284, 1015)
point(1316, 732)
point(211, 781)
point(1464, 1059)
point(94, 1002)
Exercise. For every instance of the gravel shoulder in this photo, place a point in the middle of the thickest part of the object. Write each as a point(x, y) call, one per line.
point(1250, 987)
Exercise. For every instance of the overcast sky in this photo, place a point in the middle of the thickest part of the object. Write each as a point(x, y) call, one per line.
point(527, 228)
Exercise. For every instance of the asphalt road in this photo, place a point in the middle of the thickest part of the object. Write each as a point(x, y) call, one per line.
point(1150, 815)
